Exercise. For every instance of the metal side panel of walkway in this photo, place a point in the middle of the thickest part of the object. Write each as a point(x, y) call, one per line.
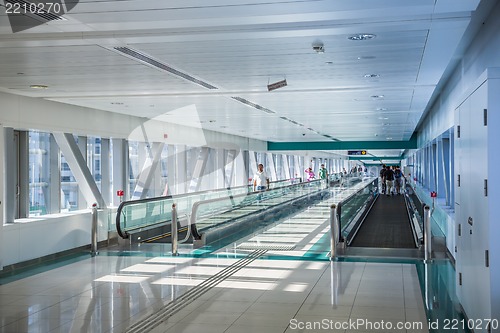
point(386, 226)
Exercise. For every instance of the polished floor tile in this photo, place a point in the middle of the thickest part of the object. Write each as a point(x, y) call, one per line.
point(283, 292)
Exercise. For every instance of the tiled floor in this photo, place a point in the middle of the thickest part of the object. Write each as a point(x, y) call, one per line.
point(109, 293)
point(297, 290)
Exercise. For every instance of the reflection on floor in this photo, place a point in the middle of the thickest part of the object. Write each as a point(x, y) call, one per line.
point(277, 280)
point(110, 293)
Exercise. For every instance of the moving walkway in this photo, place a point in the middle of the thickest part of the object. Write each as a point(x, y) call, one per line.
point(370, 220)
point(214, 216)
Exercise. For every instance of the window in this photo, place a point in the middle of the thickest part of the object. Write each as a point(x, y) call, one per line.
point(39, 173)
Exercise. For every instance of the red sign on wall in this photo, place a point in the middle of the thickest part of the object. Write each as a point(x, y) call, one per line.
point(119, 193)
point(434, 194)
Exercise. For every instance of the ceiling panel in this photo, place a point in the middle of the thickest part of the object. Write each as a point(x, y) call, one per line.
point(239, 47)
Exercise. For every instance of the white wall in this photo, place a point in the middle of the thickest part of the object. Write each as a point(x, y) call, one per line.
point(2, 177)
point(26, 113)
point(31, 239)
point(484, 52)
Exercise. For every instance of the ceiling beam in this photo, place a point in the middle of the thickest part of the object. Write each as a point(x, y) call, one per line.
point(374, 158)
point(342, 145)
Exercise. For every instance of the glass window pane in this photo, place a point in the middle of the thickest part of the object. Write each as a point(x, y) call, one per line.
point(39, 173)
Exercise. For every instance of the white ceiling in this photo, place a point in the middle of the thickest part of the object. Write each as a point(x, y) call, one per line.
point(239, 47)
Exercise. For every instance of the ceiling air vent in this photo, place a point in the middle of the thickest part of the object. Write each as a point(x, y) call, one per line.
point(32, 9)
point(136, 55)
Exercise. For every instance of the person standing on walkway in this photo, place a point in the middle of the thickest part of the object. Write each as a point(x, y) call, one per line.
point(382, 178)
point(310, 174)
point(398, 179)
point(260, 179)
point(323, 173)
point(389, 180)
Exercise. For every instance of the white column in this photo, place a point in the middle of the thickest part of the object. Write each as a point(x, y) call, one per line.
point(120, 169)
point(240, 169)
point(272, 167)
point(9, 182)
point(105, 172)
point(297, 167)
point(286, 166)
point(252, 161)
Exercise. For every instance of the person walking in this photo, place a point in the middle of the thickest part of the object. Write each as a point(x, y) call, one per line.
point(398, 179)
point(323, 173)
point(382, 178)
point(389, 180)
point(310, 174)
point(260, 179)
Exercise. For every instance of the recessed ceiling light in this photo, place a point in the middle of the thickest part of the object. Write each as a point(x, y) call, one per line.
point(329, 62)
point(371, 75)
point(389, 138)
point(39, 86)
point(361, 37)
point(381, 109)
point(211, 121)
point(20, 73)
point(377, 96)
point(116, 103)
point(383, 118)
point(366, 57)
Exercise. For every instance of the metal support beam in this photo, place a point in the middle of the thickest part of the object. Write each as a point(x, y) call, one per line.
point(82, 200)
point(78, 166)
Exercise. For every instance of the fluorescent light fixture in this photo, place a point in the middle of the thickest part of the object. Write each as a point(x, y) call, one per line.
point(39, 86)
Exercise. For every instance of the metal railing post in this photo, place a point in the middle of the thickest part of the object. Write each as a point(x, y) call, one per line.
point(334, 231)
point(93, 234)
point(427, 233)
point(174, 232)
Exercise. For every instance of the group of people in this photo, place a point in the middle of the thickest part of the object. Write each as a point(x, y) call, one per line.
point(260, 180)
point(392, 180)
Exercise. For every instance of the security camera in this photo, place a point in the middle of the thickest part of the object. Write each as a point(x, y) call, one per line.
point(303, 134)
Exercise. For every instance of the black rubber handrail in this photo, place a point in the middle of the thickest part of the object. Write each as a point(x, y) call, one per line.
point(124, 234)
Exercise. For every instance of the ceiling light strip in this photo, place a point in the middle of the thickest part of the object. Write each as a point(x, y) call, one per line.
point(256, 106)
point(164, 67)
